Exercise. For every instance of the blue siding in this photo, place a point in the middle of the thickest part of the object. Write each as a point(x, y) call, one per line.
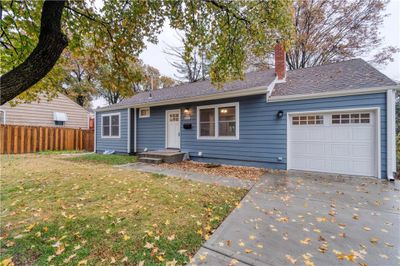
point(118, 144)
point(262, 137)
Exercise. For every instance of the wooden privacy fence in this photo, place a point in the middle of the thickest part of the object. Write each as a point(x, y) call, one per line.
point(16, 139)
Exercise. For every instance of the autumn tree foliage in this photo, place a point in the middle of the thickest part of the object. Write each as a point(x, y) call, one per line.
point(326, 31)
point(329, 31)
point(120, 29)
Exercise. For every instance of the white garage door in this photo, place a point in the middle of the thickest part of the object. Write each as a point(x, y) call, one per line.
point(340, 142)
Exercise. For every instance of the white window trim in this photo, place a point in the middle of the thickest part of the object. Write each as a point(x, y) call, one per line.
point(119, 126)
point(216, 106)
point(140, 112)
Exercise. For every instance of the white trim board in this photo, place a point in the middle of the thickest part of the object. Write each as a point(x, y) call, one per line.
point(119, 126)
point(330, 94)
point(371, 109)
point(216, 122)
point(135, 130)
point(95, 132)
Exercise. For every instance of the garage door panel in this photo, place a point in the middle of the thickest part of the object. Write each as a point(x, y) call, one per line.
point(340, 149)
point(344, 146)
point(361, 151)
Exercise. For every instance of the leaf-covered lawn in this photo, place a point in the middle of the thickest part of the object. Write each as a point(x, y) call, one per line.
point(104, 158)
point(57, 211)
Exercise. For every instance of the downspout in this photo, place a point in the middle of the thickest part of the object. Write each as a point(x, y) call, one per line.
point(391, 134)
point(95, 131)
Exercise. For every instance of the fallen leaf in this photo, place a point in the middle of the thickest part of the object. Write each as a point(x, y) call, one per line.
point(82, 262)
point(290, 259)
point(7, 262)
point(171, 237)
point(389, 245)
point(373, 240)
point(49, 258)
point(248, 250)
point(60, 250)
point(171, 263)
point(366, 228)
point(305, 241)
point(149, 245)
point(126, 237)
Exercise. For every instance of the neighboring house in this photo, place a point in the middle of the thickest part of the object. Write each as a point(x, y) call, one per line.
point(61, 111)
point(336, 118)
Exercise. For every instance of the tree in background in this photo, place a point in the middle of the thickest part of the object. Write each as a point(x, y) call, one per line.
point(122, 27)
point(79, 83)
point(330, 31)
point(152, 79)
point(191, 67)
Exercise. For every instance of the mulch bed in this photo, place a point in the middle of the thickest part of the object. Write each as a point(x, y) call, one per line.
point(243, 172)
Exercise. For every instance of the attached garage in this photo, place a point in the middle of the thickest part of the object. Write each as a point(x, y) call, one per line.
point(339, 141)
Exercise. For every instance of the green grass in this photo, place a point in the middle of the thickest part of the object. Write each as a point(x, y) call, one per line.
point(57, 211)
point(113, 159)
point(59, 152)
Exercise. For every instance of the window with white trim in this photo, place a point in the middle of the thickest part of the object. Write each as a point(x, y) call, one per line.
point(218, 121)
point(357, 118)
point(144, 112)
point(110, 125)
point(308, 120)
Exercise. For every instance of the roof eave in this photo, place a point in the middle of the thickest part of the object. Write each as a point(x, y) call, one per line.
point(328, 94)
point(215, 96)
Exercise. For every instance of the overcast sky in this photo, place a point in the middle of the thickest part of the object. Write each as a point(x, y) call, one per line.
point(390, 32)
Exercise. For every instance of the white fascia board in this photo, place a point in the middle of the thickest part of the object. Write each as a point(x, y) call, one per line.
point(391, 132)
point(361, 91)
point(215, 96)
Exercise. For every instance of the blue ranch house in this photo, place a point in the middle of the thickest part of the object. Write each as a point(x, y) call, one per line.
point(334, 118)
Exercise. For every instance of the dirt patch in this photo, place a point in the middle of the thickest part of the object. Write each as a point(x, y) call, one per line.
point(242, 172)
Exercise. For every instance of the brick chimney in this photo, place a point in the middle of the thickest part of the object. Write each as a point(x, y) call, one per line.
point(280, 65)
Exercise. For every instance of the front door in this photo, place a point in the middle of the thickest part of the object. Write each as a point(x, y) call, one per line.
point(173, 129)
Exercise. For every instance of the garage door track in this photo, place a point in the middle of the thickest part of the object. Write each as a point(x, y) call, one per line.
point(310, 219)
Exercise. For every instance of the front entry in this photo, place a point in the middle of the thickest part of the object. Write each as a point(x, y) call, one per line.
point(173, 129)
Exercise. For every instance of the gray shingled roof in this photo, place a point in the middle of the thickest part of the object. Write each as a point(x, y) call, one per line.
point(346, 75)
point(200, 88)
point(352, 74)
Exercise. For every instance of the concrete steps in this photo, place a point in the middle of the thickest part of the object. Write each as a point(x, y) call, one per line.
point(150, 160)
point(161, 156)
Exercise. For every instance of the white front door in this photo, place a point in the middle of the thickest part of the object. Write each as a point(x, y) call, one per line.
point(337, 142)
point(173, 129)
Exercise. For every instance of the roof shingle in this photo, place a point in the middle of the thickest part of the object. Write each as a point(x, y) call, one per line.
point(346, 75)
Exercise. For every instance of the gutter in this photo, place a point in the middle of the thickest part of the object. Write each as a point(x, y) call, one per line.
point(360, 91)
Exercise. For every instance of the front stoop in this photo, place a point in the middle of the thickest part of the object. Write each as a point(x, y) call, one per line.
point(161, 156)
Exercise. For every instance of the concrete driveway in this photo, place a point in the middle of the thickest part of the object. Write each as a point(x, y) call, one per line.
point(310, 219)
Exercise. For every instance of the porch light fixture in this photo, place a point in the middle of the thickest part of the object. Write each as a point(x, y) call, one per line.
point(187, 113)
point(279, 114)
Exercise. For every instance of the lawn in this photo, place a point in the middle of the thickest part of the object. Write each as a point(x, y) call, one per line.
point(102, 158)
point(58, 211)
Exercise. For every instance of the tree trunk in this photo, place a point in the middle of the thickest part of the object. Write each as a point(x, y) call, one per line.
point(42, 59)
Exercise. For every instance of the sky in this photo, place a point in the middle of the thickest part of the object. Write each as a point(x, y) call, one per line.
point(390, 32)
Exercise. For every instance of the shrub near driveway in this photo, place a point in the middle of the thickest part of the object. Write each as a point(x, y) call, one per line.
point(57, 211)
